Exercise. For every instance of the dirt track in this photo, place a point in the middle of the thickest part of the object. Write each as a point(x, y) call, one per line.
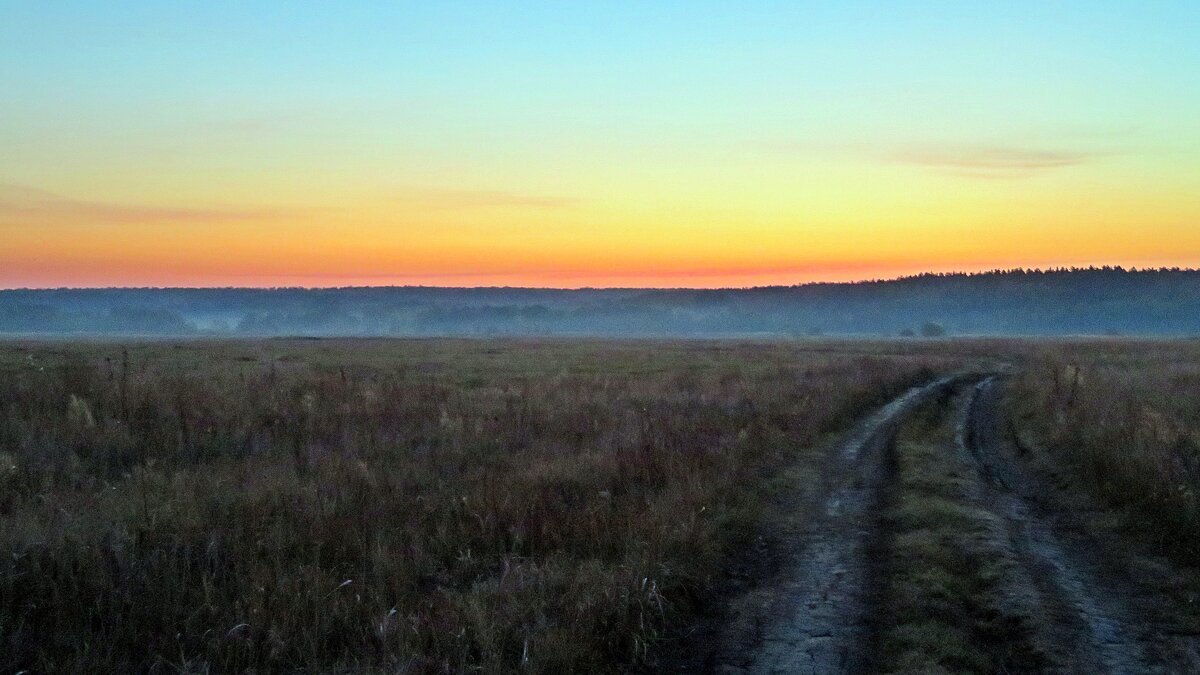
point(815, 618)
point(1086, 612)
point(1087, 604)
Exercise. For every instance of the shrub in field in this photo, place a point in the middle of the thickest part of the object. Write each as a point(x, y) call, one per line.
point(930, 329)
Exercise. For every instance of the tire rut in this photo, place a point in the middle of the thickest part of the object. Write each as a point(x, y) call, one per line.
point(1076, 609)
point(818, 621)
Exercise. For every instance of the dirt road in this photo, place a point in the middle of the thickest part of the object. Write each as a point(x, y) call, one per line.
point(1076, 600)
point(1086, 612)
point(814, 619)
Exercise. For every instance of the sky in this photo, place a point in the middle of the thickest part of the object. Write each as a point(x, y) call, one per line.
point(569, 144)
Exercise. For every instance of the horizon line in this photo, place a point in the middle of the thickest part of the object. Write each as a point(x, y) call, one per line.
point(876, 280)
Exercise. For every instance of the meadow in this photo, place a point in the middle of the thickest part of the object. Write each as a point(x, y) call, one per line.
point(379, 505)
point(427, 506)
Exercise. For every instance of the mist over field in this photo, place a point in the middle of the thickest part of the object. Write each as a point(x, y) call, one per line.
point(1093, 301)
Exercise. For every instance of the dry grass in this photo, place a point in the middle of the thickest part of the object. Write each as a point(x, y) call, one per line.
point(427, 506)
point(1123, 419)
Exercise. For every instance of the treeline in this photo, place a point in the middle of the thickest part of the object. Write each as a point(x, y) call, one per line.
point(1095, 301)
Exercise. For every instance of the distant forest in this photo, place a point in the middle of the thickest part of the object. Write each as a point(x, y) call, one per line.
point(1089, 301)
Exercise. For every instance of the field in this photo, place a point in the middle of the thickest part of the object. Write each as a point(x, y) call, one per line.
point(1123, 421)
point(573, 505)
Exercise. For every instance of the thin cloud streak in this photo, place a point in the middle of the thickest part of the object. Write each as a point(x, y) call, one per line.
point(988, 161)
point(22, 205)
point(994, 161)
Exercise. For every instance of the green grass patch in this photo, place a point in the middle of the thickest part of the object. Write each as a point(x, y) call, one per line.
point(938, 600)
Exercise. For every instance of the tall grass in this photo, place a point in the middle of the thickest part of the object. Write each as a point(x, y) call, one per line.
point(417, 506)
point(1124, 417)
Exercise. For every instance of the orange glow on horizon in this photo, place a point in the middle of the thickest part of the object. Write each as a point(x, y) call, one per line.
point(569, 145)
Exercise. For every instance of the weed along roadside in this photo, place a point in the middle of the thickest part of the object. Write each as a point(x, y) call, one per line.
point(1106, 601)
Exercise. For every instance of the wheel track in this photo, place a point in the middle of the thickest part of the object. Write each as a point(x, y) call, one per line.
point(818, 622)
point(1076, 610)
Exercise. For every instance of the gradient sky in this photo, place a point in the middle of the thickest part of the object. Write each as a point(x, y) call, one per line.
point(591, 144)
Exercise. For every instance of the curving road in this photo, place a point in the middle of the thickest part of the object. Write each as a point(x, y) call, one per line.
point(1076, 607)
point(818, 621)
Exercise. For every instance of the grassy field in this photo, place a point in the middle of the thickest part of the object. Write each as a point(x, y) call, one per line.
point(373, 505)
point(543, 506)
point(1120, 421)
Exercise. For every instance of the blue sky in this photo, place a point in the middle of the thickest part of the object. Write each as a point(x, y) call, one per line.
point(797, 129)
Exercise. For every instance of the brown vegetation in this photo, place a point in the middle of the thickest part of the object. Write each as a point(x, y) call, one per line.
point(1121, 421)
point(419, 505)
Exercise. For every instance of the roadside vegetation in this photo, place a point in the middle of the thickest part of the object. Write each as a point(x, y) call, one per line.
point(429, 506)
point(1120, 420)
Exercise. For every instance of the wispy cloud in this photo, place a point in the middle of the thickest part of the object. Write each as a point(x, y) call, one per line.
point(439, 199)
point(987, 161)
point(971, 160)
point(26, 205)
